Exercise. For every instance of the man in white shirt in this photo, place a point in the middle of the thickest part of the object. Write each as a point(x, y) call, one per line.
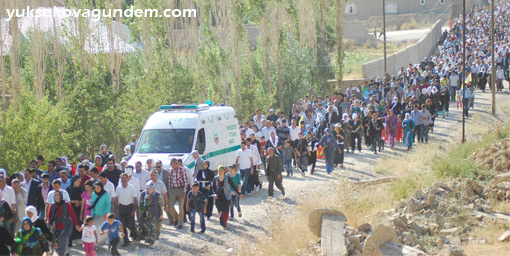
point(454, 83)
point(159, 187)
point(8, 194)
point(247, 130)
point(244, 163)
point(51, 196)
point(266, 131)
point(142, 176)
point(257, 119)
point(108, 187)
point(127, 203)
point(294, 131)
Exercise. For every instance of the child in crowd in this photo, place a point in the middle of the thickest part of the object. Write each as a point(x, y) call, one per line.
point(196, 203)
point(290, 154)
point(113, 228)
point(89, 235)
point(236, 178)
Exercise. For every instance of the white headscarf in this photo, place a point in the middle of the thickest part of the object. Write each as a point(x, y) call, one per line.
point(67, 162)
point(434, 90)
point(345, 118)
point(33, 211)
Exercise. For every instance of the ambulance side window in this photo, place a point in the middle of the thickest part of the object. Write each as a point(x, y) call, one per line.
point(200, 141)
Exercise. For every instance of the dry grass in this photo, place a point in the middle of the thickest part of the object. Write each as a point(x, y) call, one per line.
point(414, 24)
point(492, 247)
point(356, 55)
point(288, 234)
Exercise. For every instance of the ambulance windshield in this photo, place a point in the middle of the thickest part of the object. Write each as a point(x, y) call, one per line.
point(166, 141)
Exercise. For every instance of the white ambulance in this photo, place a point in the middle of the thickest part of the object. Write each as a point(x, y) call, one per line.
point(176, 130)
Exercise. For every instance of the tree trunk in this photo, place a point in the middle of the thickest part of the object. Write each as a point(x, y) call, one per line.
point(280, 78)
point(3, 75)
point(266, 50)
point(14, 52)
point(339, 17)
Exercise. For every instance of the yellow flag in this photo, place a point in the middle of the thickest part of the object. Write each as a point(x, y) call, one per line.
point(468, 80)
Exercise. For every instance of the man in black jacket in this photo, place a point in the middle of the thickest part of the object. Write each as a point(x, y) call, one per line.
point(331, 116)
point(31, 186)
point(274, 172)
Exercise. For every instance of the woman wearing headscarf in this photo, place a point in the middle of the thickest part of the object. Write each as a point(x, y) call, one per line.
point(104, 153)
point(222, 193)
point(99, 209)
point(347, 127)
point(328, 142)
point(28, 239)
point(98, 163)
point(340, 137)
point(312, 151)
point(391, 127)
point(65, 165)
point(31, 213)
point(75, 191)
point(151, 209)
point(61, 220)
point(6, 213)
point(408, 125)
point(5, 240)
point(205, 178)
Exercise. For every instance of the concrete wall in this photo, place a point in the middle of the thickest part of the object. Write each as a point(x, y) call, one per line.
point(364, 9)
point(412, 54)
point(346, 83)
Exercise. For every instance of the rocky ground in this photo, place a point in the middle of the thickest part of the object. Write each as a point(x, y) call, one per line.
point(421, 217)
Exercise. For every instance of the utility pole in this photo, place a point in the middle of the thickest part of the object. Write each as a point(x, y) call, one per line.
point(384, 34)
point(464, 107)
point(493, 73)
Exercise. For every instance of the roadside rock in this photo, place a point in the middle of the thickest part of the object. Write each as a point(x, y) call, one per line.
point(505, 237)
point(378, 237)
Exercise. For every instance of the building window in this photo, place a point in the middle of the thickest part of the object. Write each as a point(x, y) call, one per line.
point(391, 7)
point(350, 8)
point(442, 1)
point(422, 2)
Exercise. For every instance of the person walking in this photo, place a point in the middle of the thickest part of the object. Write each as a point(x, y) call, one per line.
point(205, 178)
point(391, 127)
point(177, 184)
point(244, 163)
point(100, 207)
point(223, 195)
point(28, 239)
point(408, 125)
point(274, 172)
point(61, 219)
point(151, 208)
point(126, 206)
point(328, 142)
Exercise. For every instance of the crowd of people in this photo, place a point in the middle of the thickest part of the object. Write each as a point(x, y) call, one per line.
point(50, 204)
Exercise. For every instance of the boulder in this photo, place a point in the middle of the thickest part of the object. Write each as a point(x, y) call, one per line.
point(315, 219)
point(378, 237)
point(502, 177)
point(455, 251)
point(397, 249)
point(365, 228)
point(419, 195)
point(505, 237)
